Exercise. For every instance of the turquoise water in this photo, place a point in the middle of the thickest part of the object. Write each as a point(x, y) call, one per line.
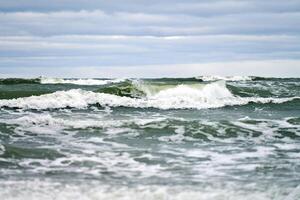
point(194, 138)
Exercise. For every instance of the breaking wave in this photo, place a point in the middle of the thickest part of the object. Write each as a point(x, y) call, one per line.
point(184, 96)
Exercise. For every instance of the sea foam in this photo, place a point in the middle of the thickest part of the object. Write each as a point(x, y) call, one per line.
point(36, 190)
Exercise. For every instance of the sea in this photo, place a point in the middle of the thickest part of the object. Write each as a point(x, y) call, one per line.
point(198, 138)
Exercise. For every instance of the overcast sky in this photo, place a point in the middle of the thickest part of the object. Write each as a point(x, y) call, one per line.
point(149, 38)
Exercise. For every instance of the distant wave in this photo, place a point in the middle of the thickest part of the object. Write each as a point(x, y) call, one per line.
point(43, 80)
point(244, 78)
point(79, 81)
point(258, 78)
point(11, 81)
point(97, 81)
point(225, 78)
point(213, 95)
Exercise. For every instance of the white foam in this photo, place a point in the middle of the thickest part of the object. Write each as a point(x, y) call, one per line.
point(175, 138)
point(12, 190)
point(44, 123)
point(295, 194)
point(46, 120)
point(79, 81)
point(213, 95)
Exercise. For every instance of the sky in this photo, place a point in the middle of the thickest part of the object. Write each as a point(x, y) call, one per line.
point(149, 38)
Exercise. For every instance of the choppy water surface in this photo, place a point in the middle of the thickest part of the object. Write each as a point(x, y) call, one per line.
point(194, 138)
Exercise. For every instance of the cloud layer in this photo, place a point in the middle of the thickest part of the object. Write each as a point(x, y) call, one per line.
point(106, 34)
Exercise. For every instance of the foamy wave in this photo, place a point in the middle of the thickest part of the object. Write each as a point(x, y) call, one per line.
point(36, 189)
point(226, 78)
point(48, 120)
point(79, 81)
point(212, 95)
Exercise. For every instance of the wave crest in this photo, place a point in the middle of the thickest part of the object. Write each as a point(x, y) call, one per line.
point(213, 95)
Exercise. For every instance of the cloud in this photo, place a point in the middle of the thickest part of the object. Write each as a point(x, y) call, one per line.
point(79, 33)
point(138, 49)
point(98, 22)
point(192, 7)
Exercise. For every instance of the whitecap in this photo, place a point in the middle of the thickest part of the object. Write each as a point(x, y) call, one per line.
point(226, 78)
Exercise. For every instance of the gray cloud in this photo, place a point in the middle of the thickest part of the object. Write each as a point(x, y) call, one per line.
point(198, 7)
point(97, 22)
point(81, 33)
point(81, 50)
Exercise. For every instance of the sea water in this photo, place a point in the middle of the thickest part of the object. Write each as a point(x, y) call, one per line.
point(207, 138)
